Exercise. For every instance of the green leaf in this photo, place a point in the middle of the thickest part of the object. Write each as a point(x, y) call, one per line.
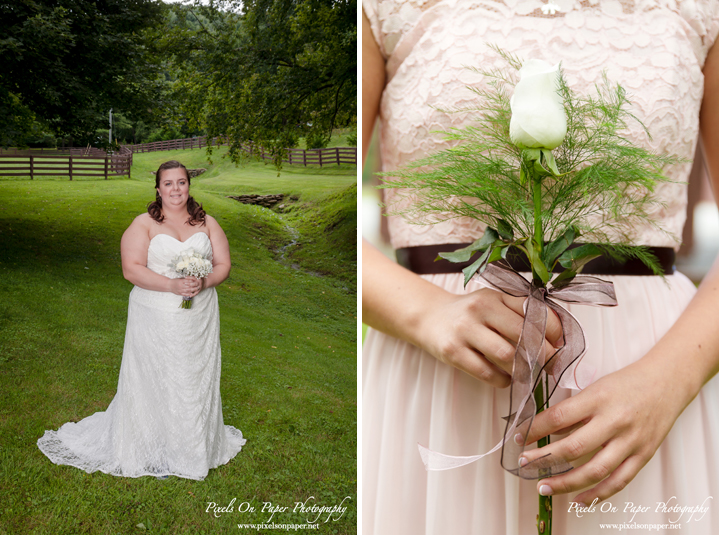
point(549, 163)
point(464, 254)
point(540, 169)
point(497, 253)
point(522, 175)
point(505, 230)
point(469, 271)
point(575, 259)
point(565, 277)
point(532, 154)
point(558, 246)
point(535, 260)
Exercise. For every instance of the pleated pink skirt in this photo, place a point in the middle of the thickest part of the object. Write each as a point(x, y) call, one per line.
point(409, 397)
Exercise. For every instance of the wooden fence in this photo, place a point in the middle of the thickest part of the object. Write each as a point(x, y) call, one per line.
point(65, 162)
point(173, 144)
point(338, 155)
point(89, 161)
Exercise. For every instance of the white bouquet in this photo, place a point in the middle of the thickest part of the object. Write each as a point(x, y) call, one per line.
point(191, 264)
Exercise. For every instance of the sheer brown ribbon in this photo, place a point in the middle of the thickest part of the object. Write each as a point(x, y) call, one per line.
point(529, 366)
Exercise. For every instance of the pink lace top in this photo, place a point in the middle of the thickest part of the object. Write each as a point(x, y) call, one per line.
point(656, 50)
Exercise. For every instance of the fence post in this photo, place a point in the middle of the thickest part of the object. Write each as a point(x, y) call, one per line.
point(304, 157)
point(32, 170)
point(337, 152)
point(106, 157)
point(70, 165)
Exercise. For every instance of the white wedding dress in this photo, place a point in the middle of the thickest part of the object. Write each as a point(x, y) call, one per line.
point(166, 418)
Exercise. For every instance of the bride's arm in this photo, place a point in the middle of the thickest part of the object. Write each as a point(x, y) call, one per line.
point(626, 415)
point(470, 332)
point(133, 249)
point(220, 254)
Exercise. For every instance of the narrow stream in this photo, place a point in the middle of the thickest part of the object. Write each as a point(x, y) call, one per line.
point(283, 249)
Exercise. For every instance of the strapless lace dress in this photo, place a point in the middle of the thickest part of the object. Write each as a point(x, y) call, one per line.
point(166, 418)
point(656, 49)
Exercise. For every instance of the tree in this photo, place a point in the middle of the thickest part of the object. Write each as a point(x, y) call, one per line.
point(269, 71)
point(67, 62)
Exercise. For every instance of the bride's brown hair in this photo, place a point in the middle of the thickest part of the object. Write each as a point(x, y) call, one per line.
point(154, 208)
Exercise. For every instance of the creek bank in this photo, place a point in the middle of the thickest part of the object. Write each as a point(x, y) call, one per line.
point(268, 201)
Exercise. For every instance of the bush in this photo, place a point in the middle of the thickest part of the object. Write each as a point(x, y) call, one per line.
point(316, 140)
point(163, 134)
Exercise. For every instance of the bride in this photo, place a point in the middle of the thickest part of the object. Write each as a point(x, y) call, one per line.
point(166, 418)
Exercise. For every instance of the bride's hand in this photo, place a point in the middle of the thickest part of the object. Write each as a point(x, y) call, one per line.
point(186, 287)
point(621, 420)
point(478, 332)
point(194, 285)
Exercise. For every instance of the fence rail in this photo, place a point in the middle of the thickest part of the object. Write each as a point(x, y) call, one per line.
point(65, 162)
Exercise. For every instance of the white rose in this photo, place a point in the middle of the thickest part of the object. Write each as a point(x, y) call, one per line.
point(181, 266)
point(538, 119)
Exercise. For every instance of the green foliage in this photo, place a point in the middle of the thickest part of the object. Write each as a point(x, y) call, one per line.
point(162, 134)
point(597, 184)
point(67, 62)
point(263, 71)
point(316, 140)
point(19, 125)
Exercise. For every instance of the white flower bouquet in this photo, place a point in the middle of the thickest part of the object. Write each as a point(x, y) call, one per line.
point(191, 264)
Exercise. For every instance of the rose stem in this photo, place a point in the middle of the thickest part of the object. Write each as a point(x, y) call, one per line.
point(544, 519)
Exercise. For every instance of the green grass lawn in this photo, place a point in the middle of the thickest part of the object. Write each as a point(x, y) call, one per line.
point(288, 332)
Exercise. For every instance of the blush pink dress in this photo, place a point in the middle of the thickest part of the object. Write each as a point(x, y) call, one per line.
point(656, 50)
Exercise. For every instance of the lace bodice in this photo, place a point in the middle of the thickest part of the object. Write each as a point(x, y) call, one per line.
point(656, 50)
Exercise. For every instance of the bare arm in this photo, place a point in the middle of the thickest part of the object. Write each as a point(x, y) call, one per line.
point(220, 254)
point(629, 413)
point(133, 248)
point(474, 332)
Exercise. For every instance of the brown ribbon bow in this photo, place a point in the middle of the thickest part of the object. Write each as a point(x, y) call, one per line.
point(529, 367)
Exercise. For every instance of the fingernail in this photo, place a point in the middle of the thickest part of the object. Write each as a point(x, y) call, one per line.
point(523, 461)
point(545, 490)
point(582, 505)
point(518, 439)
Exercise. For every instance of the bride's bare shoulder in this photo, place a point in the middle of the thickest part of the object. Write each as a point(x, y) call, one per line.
point(140, 227)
